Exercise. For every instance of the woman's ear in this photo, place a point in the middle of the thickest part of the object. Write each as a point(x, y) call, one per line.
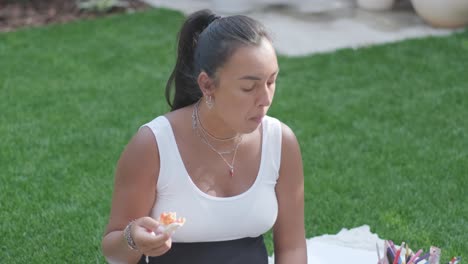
point(206, 84)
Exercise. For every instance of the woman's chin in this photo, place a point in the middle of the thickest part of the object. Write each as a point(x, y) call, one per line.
point(251, 127)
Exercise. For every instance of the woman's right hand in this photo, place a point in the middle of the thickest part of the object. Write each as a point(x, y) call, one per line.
point(148, 243)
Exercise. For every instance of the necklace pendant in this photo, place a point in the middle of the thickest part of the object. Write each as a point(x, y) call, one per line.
point(231, 172)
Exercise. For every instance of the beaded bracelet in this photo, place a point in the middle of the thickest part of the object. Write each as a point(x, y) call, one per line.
point(128, 236)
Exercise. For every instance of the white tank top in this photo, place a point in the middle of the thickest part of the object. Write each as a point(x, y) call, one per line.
point(210, 218)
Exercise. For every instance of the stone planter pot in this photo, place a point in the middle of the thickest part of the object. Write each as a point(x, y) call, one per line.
point(233, 7)
point(321, 6)
point(315, 6)
point(445, 14)
point(376, 5)
point(243, 6)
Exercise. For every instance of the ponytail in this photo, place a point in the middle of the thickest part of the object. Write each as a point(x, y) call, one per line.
point(186, 87)
point(204, 44)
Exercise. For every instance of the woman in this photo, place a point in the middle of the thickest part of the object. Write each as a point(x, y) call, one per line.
point(216, 159)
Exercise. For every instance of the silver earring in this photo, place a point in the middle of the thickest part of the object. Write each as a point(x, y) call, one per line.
point(209, 102)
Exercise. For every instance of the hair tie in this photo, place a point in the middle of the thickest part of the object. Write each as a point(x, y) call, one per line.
point(213, 17)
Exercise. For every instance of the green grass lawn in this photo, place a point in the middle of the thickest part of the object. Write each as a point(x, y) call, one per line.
point(383, 132)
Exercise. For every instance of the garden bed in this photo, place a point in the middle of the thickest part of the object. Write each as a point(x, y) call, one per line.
point(16, 14)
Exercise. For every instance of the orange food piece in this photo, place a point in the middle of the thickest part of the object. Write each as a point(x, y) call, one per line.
point(169, 218)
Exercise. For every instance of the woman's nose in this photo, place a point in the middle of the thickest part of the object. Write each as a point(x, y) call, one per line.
point(266, 96)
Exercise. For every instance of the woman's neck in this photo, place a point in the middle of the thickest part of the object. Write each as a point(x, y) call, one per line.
point(214, 125)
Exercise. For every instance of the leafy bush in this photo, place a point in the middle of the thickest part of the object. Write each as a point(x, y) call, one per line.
point(17, 1)
point(101, 5)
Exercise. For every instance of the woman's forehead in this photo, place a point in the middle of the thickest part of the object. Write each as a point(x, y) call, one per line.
point(259, 59)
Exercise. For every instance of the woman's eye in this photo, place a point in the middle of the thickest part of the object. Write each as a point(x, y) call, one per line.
point(248, 89)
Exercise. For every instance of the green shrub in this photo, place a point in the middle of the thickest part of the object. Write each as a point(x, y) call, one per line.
point(101, 5)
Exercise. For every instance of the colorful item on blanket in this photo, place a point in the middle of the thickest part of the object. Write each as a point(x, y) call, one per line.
point(404, 255)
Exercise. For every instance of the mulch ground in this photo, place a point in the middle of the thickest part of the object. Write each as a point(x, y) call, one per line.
point(15, 14)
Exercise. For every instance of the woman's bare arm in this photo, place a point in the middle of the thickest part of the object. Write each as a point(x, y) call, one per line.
point(134, 196)
point(289, 232)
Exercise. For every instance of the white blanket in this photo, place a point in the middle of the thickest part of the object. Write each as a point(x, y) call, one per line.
point(354, 246)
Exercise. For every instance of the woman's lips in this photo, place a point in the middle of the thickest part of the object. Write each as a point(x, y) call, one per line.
point(257, 119)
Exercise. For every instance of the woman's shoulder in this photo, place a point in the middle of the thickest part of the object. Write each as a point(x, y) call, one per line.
point(179, 114)
point(140, 158)
point(286, 132)
point(171, 119)
point(154, 123)
point(164, 127)
point(142, 151)
point(179, 120)
point(143, 142)
point(289, 143)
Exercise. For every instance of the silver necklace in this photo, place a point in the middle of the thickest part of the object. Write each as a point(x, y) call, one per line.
point(208, 133)
point(196, 124)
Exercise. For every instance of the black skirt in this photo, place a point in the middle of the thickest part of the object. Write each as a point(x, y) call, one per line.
point(240, 251)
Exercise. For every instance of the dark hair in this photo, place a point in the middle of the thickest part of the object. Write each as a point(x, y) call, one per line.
point(206, 42)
